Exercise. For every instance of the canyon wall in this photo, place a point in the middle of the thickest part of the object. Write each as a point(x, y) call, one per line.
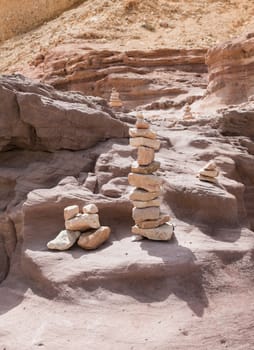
point(230, 68)
point(17, 17)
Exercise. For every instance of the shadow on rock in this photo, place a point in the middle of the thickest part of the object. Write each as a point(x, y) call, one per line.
point(174, 273)
point(12, 293)
point(186, 282)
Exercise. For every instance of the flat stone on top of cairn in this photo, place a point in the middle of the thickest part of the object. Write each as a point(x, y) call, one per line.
point(149, 222)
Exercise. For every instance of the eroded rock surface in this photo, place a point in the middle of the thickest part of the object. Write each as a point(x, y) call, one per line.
point(213, 222)
point(31, 116)
point(157, 79)
point(231, 67)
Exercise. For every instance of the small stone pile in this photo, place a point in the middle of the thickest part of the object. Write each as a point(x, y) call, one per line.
point(209, 172)
point(84, 228)
point(149, 222)
point(114, 100)
point(187, 112)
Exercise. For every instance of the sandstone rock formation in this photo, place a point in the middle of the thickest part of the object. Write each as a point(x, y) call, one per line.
point(31, 115)
point(184, 286)
point(230, 68)
point(158, 79)
point(146, 212)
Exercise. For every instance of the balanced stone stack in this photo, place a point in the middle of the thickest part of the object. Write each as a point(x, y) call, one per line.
point(209, 172)
point(115, 101)
point(187, 112)
point(149, 222)
point(84, 228)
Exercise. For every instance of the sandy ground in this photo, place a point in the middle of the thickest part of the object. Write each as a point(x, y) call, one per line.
point(134, 24)
point(113, 321)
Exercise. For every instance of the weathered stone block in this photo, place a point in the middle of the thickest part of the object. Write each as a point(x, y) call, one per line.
point(93, 239)
point(64, 240)
point(83, 222)
point(71, 211)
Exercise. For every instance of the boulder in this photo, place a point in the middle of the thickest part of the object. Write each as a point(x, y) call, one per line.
point(64, 240)
point(93, 239)
point(36, 116)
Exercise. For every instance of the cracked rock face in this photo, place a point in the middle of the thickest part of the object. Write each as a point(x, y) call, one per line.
point(31, 115)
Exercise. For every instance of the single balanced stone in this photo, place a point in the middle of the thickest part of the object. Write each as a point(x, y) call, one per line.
point(149, 221)
point(83, 228)
point(114, 100)
point(187, 112)
point(209, 172)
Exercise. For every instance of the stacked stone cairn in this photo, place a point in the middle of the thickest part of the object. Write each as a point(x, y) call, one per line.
point(187, 112)
point(114, 100)
point(209, 172)
point(83, 228)
point(149, 222)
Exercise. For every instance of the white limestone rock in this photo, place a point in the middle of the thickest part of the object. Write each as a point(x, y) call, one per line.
point(64, 240)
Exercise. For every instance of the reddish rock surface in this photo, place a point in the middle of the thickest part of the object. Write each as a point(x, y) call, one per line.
point(151, 78)
point(180, 292)
point(231, 67)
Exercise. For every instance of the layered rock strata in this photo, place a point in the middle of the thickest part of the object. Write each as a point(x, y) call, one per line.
point(149, 221)
point(83, 227)
point(231, 67)
point(157, 79)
